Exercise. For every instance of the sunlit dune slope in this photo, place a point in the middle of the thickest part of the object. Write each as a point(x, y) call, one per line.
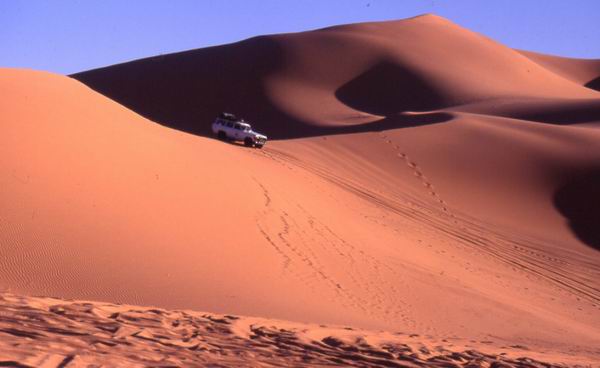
point(438, 182)
point(100, 202)
point(585, 72)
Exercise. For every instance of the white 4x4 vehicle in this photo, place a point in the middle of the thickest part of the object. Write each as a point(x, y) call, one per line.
point(227, 126)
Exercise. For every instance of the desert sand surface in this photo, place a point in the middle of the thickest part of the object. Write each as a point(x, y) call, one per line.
point(61, 333)
point(421, 179)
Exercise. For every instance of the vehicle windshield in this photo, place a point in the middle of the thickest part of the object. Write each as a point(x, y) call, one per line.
point(246, 129)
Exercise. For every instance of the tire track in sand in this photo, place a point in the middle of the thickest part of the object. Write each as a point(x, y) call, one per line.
point(522, 255)
point(286, 260)
point(364, 271)
point(300, 260)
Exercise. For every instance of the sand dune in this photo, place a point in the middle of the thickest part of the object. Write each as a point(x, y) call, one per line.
point(292, 84)
point(585, 72)
point(423, 178)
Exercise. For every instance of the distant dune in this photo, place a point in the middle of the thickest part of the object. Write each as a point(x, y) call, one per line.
point(421, 178)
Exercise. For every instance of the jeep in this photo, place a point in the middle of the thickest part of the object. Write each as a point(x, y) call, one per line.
point(228, 127)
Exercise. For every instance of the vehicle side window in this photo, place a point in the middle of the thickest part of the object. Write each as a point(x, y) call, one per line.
point(230, 124)
point(238, 127)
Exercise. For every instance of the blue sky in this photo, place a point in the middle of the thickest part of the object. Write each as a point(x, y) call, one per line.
point(70, 36)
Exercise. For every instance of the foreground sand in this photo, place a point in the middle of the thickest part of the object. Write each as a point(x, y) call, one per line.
point(48, 332)
point(468, 209)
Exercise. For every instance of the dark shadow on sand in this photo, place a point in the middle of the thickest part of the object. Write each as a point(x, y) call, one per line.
point(387, 89)
point(403, 120)
point(578, 112)
point(594, 84)
point(579, 202)
point(186, 90)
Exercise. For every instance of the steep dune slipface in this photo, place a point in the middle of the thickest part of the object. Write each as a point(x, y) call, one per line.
point(425, 205)
point(292, 84)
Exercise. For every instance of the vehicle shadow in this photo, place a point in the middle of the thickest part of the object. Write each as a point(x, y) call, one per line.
point(233, 142)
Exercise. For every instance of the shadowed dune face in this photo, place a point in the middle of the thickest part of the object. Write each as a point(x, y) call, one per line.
point(304, 84)
point(174, 91)
point(182, 91)
point(387, 89)
point(594, 84)
point(551, 110)
point(576, 112)
point(397, 121)
point(579, 202)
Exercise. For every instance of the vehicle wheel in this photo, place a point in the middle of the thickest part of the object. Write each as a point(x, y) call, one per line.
point(259, 146)
point(222, 136)
point(248, 142)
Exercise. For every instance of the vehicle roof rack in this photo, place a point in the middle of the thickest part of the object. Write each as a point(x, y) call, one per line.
point(228, 116)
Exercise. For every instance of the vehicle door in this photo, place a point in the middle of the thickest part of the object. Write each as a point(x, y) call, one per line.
point(237, 131)
point(229, 130)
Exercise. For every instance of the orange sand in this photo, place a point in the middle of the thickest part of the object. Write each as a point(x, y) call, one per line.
point(424, 179)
